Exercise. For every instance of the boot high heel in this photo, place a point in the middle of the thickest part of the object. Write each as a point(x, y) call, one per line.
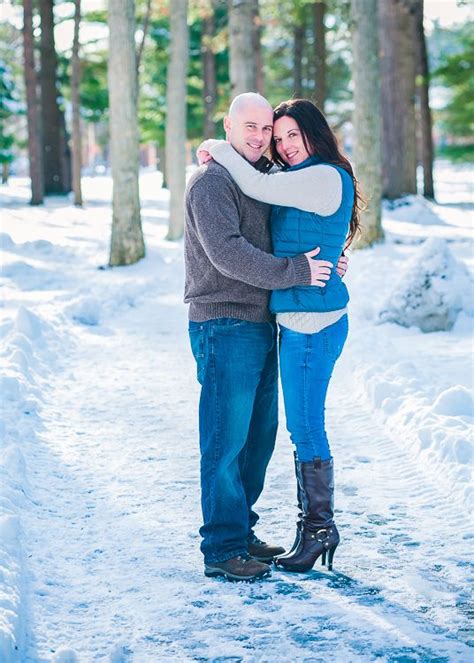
point(317, 534)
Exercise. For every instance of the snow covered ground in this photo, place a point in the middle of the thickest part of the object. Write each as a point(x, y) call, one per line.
point(99, 491)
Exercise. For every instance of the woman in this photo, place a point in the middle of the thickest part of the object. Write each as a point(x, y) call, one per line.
point(315, 202)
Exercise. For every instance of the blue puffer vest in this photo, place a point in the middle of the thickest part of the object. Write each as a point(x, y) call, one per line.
point(294, 231)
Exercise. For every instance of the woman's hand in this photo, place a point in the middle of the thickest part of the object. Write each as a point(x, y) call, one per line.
point(203, 151)
point(203, 157)
point(342, 264)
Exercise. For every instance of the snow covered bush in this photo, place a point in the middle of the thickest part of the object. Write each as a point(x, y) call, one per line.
point(429, 294)
point(414, 209)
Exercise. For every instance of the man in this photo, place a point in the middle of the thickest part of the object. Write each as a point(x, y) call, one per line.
point(230, 272)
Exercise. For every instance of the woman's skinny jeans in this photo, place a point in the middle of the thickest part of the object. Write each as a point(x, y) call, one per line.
point(306, 365)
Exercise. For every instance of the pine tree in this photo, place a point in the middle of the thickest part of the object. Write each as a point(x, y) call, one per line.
point(319, 30)
point(209, 68)
point(456, 72)
point(34, 140)
point(76, 109)
point(423, 90)
point(127, 245)
point(243, 71)
point(366, 116)
point(176, 116)
point(56, 158)
point(8, 106)
point(398, 97)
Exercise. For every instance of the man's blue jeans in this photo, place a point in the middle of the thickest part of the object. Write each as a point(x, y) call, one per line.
point(237, 367)
point(306, 365)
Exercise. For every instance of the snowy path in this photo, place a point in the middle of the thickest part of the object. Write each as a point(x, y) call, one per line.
point(99, 467)
point(112, 535)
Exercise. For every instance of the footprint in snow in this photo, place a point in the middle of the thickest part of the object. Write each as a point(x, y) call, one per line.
point(349, 490)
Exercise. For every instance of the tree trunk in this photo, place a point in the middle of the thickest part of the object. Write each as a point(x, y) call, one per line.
point(398, 98)
point(298, 45)
point(5, 172)
point(243, 75)
point(257, 47)
point(76, 109)
point(127, 244)
point(51, 119)
point(319, 10)
point(146, 23)
point(161, 154)
point(423, 83)
point(366, 118)
point(176, 116)
point(66, 165)
point(209, 71)
point(34, 139)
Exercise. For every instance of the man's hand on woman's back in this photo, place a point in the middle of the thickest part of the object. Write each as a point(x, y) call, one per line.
point(321, 269)
point(342, 264)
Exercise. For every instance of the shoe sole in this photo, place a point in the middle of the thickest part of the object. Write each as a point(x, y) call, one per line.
point(211, 572)
point(264, 560)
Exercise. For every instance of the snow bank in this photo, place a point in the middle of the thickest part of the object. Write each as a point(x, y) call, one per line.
point(34, 335)
point(26, 360)
point(430, 291)
point(86, 310)
point(436, 425)
point(413, 209)
point(412, 219)
point(91, 305)
point(11, 573)
point(419, 385)
point(65, 656)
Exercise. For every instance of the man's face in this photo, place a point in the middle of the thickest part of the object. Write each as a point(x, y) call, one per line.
point(250, 131)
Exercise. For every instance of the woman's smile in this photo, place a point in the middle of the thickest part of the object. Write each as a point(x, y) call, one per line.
point(289, 141)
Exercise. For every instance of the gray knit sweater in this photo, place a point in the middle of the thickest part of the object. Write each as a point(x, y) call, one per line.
point(227, 245)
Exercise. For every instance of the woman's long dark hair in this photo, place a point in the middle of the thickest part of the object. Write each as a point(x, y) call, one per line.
point(320, 141)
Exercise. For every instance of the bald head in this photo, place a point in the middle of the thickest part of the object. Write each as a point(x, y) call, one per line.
point(248, 100)
point(248, 126)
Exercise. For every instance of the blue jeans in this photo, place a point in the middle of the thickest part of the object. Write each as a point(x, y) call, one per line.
point(237, 367)
point(306, 365)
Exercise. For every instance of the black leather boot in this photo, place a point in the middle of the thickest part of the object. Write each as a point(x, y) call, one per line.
point(299, 522)
point(319, 536)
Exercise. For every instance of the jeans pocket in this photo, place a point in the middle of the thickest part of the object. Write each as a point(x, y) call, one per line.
point(197, 340)
point(335, 336)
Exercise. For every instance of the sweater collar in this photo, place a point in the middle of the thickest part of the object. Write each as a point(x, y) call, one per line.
point(310, 161)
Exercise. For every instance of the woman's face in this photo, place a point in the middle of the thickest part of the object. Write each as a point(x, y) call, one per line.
point(289, 141)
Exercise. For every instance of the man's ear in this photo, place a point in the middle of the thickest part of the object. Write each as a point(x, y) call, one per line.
point(227, 124)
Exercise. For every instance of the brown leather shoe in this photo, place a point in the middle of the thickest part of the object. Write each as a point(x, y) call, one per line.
point(238, 568)
point(262, 551)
